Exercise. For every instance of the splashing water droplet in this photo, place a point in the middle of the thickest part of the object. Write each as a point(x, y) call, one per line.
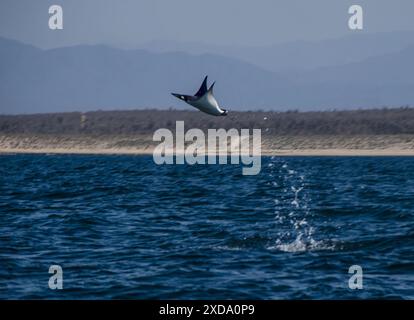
point(295, 233)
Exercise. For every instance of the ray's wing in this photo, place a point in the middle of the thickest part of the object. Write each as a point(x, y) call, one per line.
point(211, 88)
point(183, 97)
point(203, 88)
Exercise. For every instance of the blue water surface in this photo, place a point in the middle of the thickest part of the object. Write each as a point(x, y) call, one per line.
point(124, 227)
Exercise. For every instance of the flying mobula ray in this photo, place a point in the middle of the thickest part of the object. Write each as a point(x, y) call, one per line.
point(203, 100)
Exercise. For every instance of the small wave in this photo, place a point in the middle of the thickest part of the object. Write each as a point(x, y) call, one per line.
point(299, 245)
point(227, 248)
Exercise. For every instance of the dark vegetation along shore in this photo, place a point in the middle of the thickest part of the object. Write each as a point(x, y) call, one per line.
point(375, 129)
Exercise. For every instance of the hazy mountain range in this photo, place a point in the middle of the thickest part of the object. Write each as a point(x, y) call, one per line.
point(300, 55)
point(346, 73)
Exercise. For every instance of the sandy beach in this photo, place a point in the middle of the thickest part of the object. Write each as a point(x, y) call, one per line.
point(378, 145)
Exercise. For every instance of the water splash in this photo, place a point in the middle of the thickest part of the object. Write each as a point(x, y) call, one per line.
point(301, 245)
point(292, 213)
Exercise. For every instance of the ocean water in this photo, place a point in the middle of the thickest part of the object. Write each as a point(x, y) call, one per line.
point(123, 227)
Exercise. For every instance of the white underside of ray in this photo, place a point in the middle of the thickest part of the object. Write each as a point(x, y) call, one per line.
point(207, 103)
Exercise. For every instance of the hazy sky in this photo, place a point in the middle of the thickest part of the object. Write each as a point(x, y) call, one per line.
point(243, 22)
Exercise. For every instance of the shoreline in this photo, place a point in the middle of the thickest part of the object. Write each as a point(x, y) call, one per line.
point(286, 153)
point(271, 145)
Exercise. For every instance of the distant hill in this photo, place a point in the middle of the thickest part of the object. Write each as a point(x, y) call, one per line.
point(83, 78)
point(300, 55)
point(100, 77)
